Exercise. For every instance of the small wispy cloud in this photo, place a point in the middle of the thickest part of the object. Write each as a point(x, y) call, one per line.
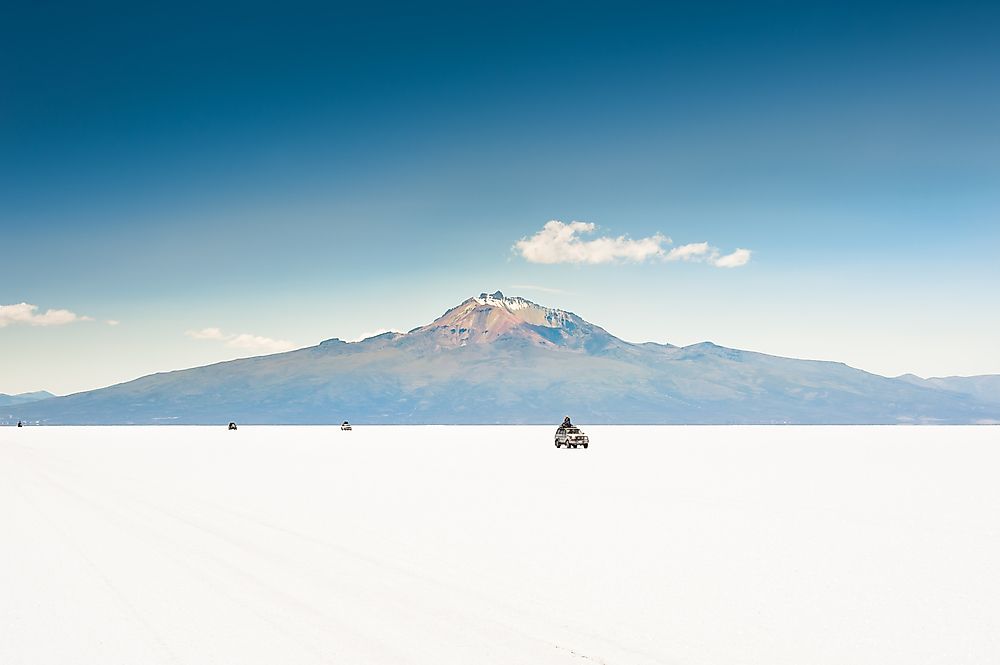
point(244, 341)
point(112, 322)
point(695, 251)
point(206, 333)
point(259, 343)
point(373, 333)
point(27, 314)
point(559, 242)
point(702, 251)
point(738, 258)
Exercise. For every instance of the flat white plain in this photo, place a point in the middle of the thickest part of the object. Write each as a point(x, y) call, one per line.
point(476, 545)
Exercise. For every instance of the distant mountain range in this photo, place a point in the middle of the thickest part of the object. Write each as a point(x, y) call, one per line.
point(497, 359)
point(985, 388)
point(24, 398)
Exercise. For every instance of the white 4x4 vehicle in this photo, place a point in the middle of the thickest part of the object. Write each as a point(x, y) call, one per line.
point(571, 437)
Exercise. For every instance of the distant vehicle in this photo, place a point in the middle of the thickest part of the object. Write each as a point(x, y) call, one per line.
point(345, 426)
point(571, 437)
point(232, 425)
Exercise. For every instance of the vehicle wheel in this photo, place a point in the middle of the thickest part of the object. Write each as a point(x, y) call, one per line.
point(586, 445)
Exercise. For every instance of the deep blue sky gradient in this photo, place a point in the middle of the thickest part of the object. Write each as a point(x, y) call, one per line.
point(305, 171)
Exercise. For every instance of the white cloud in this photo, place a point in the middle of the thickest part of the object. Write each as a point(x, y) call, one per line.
point(560, 243)
point(258, 343)
point(244, 341)
point(695, 251)
point(364, 336)
point(27, 314)
point(112, 322)
point(738, 258)
point(702, 251)
point(206, 333)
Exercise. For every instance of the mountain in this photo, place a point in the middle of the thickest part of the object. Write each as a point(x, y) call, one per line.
point(497, 359)
point(985, 387)
point(24, 398)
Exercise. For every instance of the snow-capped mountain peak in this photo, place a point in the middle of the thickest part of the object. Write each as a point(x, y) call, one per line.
point(524, 310)
point(498, 299)
point(492, 317)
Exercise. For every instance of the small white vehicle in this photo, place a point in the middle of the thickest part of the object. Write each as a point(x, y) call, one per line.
point(571, 437)
point(345, 426)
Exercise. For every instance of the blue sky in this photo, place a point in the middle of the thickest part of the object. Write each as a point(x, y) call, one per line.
point(293, 172)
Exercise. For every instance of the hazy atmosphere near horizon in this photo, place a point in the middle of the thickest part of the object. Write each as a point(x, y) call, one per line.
point(187, 183)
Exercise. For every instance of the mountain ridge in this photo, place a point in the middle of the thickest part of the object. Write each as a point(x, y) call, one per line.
point(24, 398)
point(500, 359)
